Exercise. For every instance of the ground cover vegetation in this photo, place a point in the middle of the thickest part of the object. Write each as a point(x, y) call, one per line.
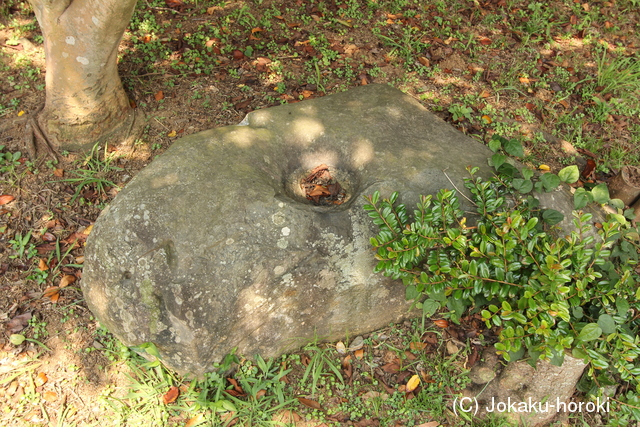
point(560, 78)
point(547, 292)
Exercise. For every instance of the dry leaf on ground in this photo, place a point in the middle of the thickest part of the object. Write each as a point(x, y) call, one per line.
point(6, 198)
point(19, 322)
point(413, 383)
point(171, 395)
point(309, 403)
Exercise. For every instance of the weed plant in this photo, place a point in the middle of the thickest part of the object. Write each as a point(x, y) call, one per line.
point(94, 172)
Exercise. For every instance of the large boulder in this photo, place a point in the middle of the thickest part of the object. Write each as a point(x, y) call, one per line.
point(215, 245)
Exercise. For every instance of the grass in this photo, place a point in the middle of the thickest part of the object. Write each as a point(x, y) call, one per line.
point(94, 172)
point(620, 75)
point(318, 385)
point(518, 69)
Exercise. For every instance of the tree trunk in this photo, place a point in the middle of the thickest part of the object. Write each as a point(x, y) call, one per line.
point(526, 395)
point(626, 185)
point(85, 100)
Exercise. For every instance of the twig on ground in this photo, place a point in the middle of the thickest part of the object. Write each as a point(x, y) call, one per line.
point(457, 189)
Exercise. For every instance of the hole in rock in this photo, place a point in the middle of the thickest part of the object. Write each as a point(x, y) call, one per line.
point(321, 188)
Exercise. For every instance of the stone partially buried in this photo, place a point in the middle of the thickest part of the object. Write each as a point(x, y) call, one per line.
point(228, 241)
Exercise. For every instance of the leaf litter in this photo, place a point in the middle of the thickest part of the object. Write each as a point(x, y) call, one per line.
point(321, 188)
point(241, 69)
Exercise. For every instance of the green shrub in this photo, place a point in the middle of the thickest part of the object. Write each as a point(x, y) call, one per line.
point(546, 292)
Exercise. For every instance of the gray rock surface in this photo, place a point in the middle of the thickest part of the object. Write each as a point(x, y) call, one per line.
point(214, 246)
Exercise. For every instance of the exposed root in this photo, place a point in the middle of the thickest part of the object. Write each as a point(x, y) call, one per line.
point(35, 139)
point(36, 142)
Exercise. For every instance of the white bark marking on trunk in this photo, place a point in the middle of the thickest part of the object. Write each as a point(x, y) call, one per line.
point(95, 20)
point(65, 55)
point(82, 60)
point(70, 40)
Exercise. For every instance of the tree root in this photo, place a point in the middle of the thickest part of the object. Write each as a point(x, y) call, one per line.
point(36, 141)
point(33, 137)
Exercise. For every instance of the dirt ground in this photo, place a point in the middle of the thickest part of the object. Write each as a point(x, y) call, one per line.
point(66, 362)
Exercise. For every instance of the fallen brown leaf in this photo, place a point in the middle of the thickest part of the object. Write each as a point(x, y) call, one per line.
point(174, 3)
point(410, 355)
point(391, 368)
point(13, 388)
point(234, 393)
point(75, 238)
point(159, 96)
point(50, 396)
point(171, 395)
point(67, 280)
point(41, 379)
point(194, 421)
point(5, 198)
point(305, 360)
point(417, 345)
point(472, 358)
point(237, 390)
point(347, 367)
point(452, 348)
point(442, 323)
point(50, 291)
point(48, 237)
point(309, 403)
point(588, 168)
point(229, 418)
point(319, 190)
point(45, 248)
point(238, 55)
point(366, 422)
point(242, 105)
point(19, 322)
point(34, 416)
point(287, 417)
